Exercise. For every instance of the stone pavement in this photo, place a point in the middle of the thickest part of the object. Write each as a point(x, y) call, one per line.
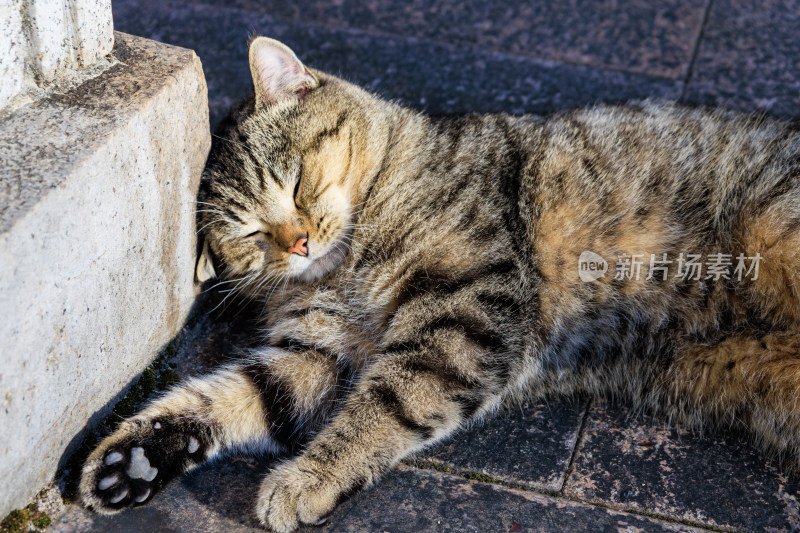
point(568, 465)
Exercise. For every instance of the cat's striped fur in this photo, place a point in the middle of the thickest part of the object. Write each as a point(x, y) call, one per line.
point(442, 279)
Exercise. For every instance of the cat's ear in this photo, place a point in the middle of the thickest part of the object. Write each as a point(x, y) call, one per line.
point(205, 265)
point(277, 73)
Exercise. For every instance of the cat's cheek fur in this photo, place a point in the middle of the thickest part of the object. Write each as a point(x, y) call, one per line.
point(327, 263)
point(296, 264)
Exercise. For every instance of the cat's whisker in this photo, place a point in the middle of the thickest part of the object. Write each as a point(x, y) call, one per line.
point(255, 292)
point(277, 279)
point(232, 142)
point(225, 282)
point(251, 289)
point(210, 223)
point(209, 204)
point(359, 204)
point(375, 228)
point(361, 225)
point(346, 243)
point(269, 295)
point(231, 292)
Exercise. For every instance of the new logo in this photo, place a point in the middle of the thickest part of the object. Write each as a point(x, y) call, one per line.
point(591, 266)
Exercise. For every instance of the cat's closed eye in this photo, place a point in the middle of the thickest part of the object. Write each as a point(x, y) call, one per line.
point(296, 195)
point(261, 239)
point(296, 190)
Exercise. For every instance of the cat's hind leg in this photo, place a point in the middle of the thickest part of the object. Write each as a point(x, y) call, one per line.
point(749, 382)
point(767, 248)
point(268, 403)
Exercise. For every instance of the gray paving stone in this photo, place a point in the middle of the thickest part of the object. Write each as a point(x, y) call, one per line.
point(644, 465)
point(529, 445)
point(417, 501)
point(653, 37)
point(750, 57)
point(435, 77)
point(219, 497)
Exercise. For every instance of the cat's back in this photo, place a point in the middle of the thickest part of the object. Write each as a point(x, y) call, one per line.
point(656, 149)
point(648, 179)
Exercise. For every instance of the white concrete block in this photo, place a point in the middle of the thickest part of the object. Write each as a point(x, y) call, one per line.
point(97, 247)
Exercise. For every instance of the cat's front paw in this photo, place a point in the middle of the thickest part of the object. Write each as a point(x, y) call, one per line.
point(134, 463)
point(300, 493)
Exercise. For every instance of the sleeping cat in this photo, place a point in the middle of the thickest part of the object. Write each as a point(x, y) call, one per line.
point(418, 271)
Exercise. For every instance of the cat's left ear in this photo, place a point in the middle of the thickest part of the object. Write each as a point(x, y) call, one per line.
point(205, 265)
point(277, 73)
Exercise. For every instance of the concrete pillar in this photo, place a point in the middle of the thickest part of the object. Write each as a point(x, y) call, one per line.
point(103, 138)
point(46, 41)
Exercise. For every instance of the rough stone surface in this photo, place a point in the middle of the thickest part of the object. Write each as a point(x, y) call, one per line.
point(97, 191)
point(750, 57)
point(654, 37)
point(643, 465)
point(46, 41)
point(435, 77)
point(530, 445)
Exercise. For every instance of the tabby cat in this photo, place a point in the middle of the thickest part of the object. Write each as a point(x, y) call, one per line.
point(420, 270)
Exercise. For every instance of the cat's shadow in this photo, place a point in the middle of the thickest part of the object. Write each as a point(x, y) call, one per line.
point(228, 486)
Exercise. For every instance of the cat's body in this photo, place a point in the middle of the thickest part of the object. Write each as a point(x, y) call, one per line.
point(423, 270)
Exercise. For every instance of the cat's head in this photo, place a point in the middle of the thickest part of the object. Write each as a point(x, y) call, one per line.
point(280, 191)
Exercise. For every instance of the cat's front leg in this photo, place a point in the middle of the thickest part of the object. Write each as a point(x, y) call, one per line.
point(409, 399)
point(269, 402)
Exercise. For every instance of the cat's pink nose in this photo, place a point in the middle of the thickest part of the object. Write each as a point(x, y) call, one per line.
point(299, 247)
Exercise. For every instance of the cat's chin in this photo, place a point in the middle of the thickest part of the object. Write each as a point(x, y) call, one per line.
point(326, 263)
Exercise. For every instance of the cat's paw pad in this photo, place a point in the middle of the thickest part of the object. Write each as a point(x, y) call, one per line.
point(129, 467)
point(293, 495)
point(122, 477)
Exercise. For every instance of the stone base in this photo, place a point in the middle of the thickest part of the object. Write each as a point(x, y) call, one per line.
point(97, 246)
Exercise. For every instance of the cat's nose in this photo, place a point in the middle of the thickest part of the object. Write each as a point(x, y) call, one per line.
point(299, 247)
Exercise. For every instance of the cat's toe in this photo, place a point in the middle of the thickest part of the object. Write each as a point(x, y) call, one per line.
point(118, 478)
point(277, 507)
point(293, 495)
